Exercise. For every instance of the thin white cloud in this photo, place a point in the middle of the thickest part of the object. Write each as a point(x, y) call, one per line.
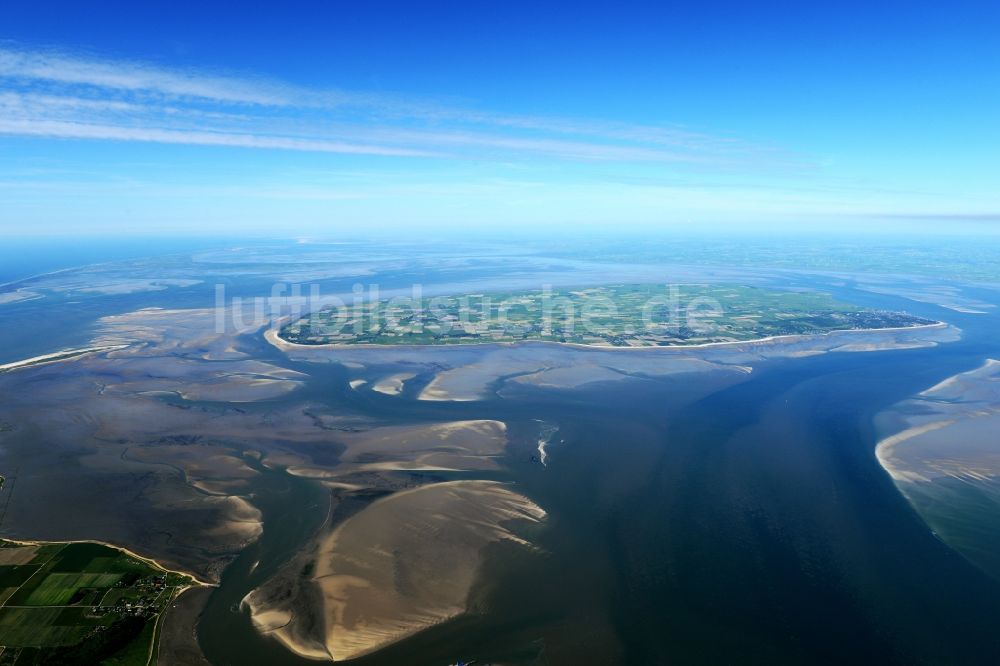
point(64, 95)
point(561, 148)
point(52, 115)
point(131, 76)
point(68, 130)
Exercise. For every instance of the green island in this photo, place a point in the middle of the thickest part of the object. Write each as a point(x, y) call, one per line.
point(81, 603)
point(620, 315)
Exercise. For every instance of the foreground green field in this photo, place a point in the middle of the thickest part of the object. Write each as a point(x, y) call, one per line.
point(624, 315)
point(80, 603)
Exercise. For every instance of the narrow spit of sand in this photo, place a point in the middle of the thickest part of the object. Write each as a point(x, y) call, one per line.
point(55, 357)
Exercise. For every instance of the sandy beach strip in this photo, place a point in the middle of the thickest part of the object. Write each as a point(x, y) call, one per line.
point(196, 582)
point(272, 336)
point(55, 357)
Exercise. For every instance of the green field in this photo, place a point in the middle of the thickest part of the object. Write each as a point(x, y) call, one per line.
point(79, 603)
point(622, 315)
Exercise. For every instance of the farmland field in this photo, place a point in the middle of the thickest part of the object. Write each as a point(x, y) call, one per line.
point(620, 315)
point(80, 603)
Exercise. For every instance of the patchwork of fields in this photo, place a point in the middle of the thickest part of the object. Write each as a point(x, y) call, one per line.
point(621, 315)
point(80, 603)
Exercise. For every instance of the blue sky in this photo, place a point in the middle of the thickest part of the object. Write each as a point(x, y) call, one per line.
point(334, 118)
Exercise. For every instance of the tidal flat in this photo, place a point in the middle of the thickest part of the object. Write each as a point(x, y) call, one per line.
point(944, 457)
point(513, 503)
point(405, 563)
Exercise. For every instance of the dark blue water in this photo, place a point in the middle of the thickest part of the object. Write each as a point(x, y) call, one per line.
point(691, 522)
